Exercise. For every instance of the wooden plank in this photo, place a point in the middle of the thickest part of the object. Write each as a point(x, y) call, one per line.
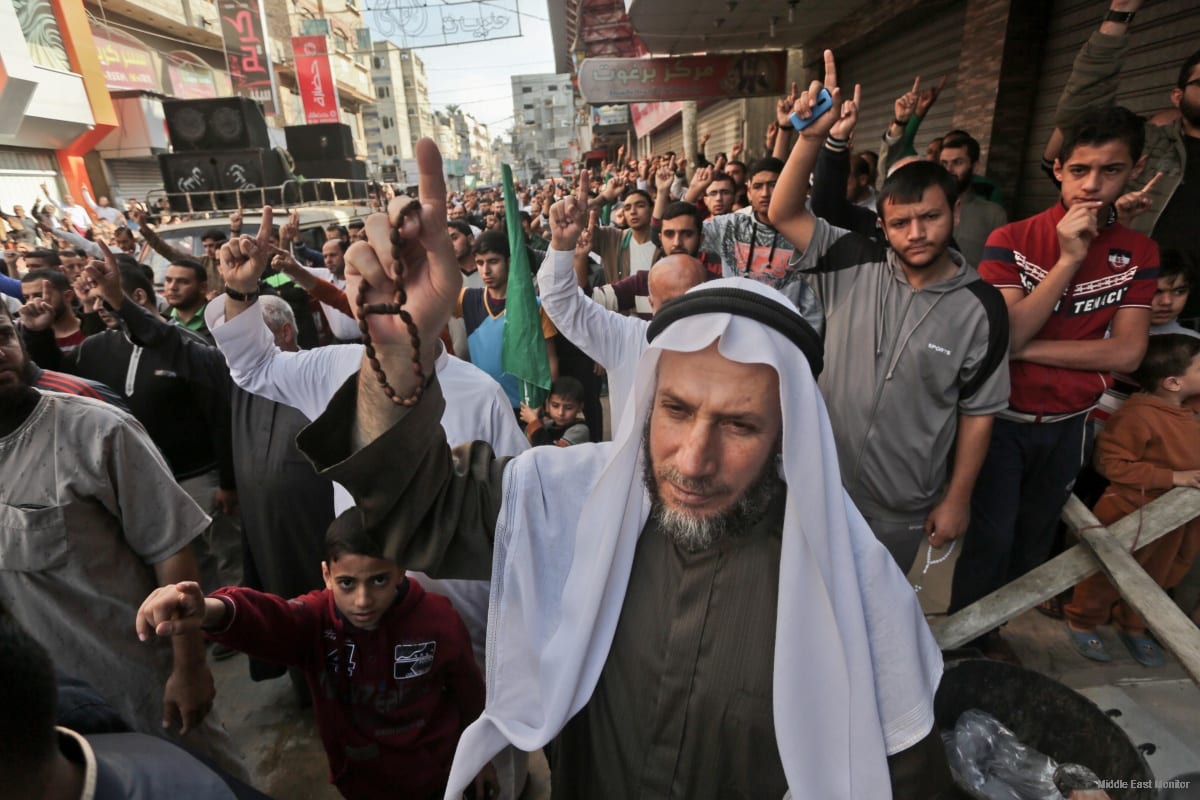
point(1174, 629)
point(1154, 519)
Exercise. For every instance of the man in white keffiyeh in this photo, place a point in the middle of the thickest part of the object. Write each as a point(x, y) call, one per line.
point(695, 610)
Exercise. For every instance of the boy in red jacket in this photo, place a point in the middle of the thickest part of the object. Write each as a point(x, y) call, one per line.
point(1151, 445)
point(393, 678)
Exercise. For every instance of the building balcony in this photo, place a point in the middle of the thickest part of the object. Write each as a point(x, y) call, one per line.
point(348, 72)
point(195, 21)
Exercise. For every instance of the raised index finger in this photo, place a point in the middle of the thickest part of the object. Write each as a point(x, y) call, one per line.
point(1151, 183)
point(916, 84)
point(431, 181)
point(581, 192)
point(830, 71)
point(858, 95)
point(264, 228)
point(111, 260)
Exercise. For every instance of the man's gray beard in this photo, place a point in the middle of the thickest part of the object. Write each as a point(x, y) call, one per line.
point(695, 534)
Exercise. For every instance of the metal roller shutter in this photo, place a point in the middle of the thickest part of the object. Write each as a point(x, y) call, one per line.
point(1164, 35)
point(886, 69)
point(723, 120)
point(133, 179)
point(22, 173)
point(669, 137)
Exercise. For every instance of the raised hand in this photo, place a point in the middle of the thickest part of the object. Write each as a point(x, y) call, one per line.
point(772, 135)
point(106, 276)
point(283, 261)
point(665, 176)
point(290, 230)
point(783, 111)
point(611, 191)
point(906, 103)
point(928, 97)
point(584, 245)
point(37, 314)
point(1131, 205)
point(843, 126)
point(569, 216)
point(820, 127)
point(426, 261)
point(739, 146)
point(242, 260)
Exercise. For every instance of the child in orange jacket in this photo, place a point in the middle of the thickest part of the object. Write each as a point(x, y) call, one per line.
point(1149, 446)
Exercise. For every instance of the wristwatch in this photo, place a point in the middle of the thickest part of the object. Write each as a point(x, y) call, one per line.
point(1119, 17)
point(248, 297)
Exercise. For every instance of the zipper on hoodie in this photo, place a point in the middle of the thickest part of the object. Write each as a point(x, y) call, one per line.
point(893, 357)
point(862, 447)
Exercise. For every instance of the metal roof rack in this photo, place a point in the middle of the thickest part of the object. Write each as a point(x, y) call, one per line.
point(289, 195)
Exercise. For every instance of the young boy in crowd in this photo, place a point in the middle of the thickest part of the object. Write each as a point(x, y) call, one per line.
point(390, 667)
point(558, 421)
point(1151, 445)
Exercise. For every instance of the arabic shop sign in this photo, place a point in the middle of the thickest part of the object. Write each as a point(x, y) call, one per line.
point(190, 80)
point(716, 77)
point(126, 62)
point(314, 76)
point(420, 23)
point(243, 29)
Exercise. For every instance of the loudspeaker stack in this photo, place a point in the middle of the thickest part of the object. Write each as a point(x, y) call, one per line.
point(326, 151)
point(221, 145)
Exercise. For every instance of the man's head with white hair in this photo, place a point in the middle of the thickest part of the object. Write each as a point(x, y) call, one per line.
point(280, 318)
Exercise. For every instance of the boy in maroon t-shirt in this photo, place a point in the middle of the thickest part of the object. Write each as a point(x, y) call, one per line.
point(390, 667)
point(1078, 286)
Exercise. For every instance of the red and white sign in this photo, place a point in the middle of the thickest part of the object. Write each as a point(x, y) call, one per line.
point(314, 77)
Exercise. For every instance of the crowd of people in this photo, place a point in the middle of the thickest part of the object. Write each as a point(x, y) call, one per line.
point(820, 361)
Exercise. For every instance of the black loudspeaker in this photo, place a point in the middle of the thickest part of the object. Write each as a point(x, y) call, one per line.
point(219, 123)
point(247, 169)
point(319, 142)
point(235, 175)
point(188, 172)
point(346, 168)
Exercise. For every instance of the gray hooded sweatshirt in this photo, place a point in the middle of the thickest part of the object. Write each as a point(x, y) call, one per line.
point(900, 366)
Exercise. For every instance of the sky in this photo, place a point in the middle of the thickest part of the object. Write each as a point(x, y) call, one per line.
point(476, 76)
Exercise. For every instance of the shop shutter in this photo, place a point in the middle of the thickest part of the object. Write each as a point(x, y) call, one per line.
point(668, 137)
point(133, 179)
point(886, 67)
point(723, 120)
point(1164, 35)
point(22, 172)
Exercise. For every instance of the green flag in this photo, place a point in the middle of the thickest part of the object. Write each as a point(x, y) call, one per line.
point(523, 353)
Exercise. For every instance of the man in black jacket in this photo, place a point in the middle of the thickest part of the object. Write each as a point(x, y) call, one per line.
point(189, 422)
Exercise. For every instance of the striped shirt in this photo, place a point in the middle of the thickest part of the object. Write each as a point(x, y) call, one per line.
point(50, 381)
